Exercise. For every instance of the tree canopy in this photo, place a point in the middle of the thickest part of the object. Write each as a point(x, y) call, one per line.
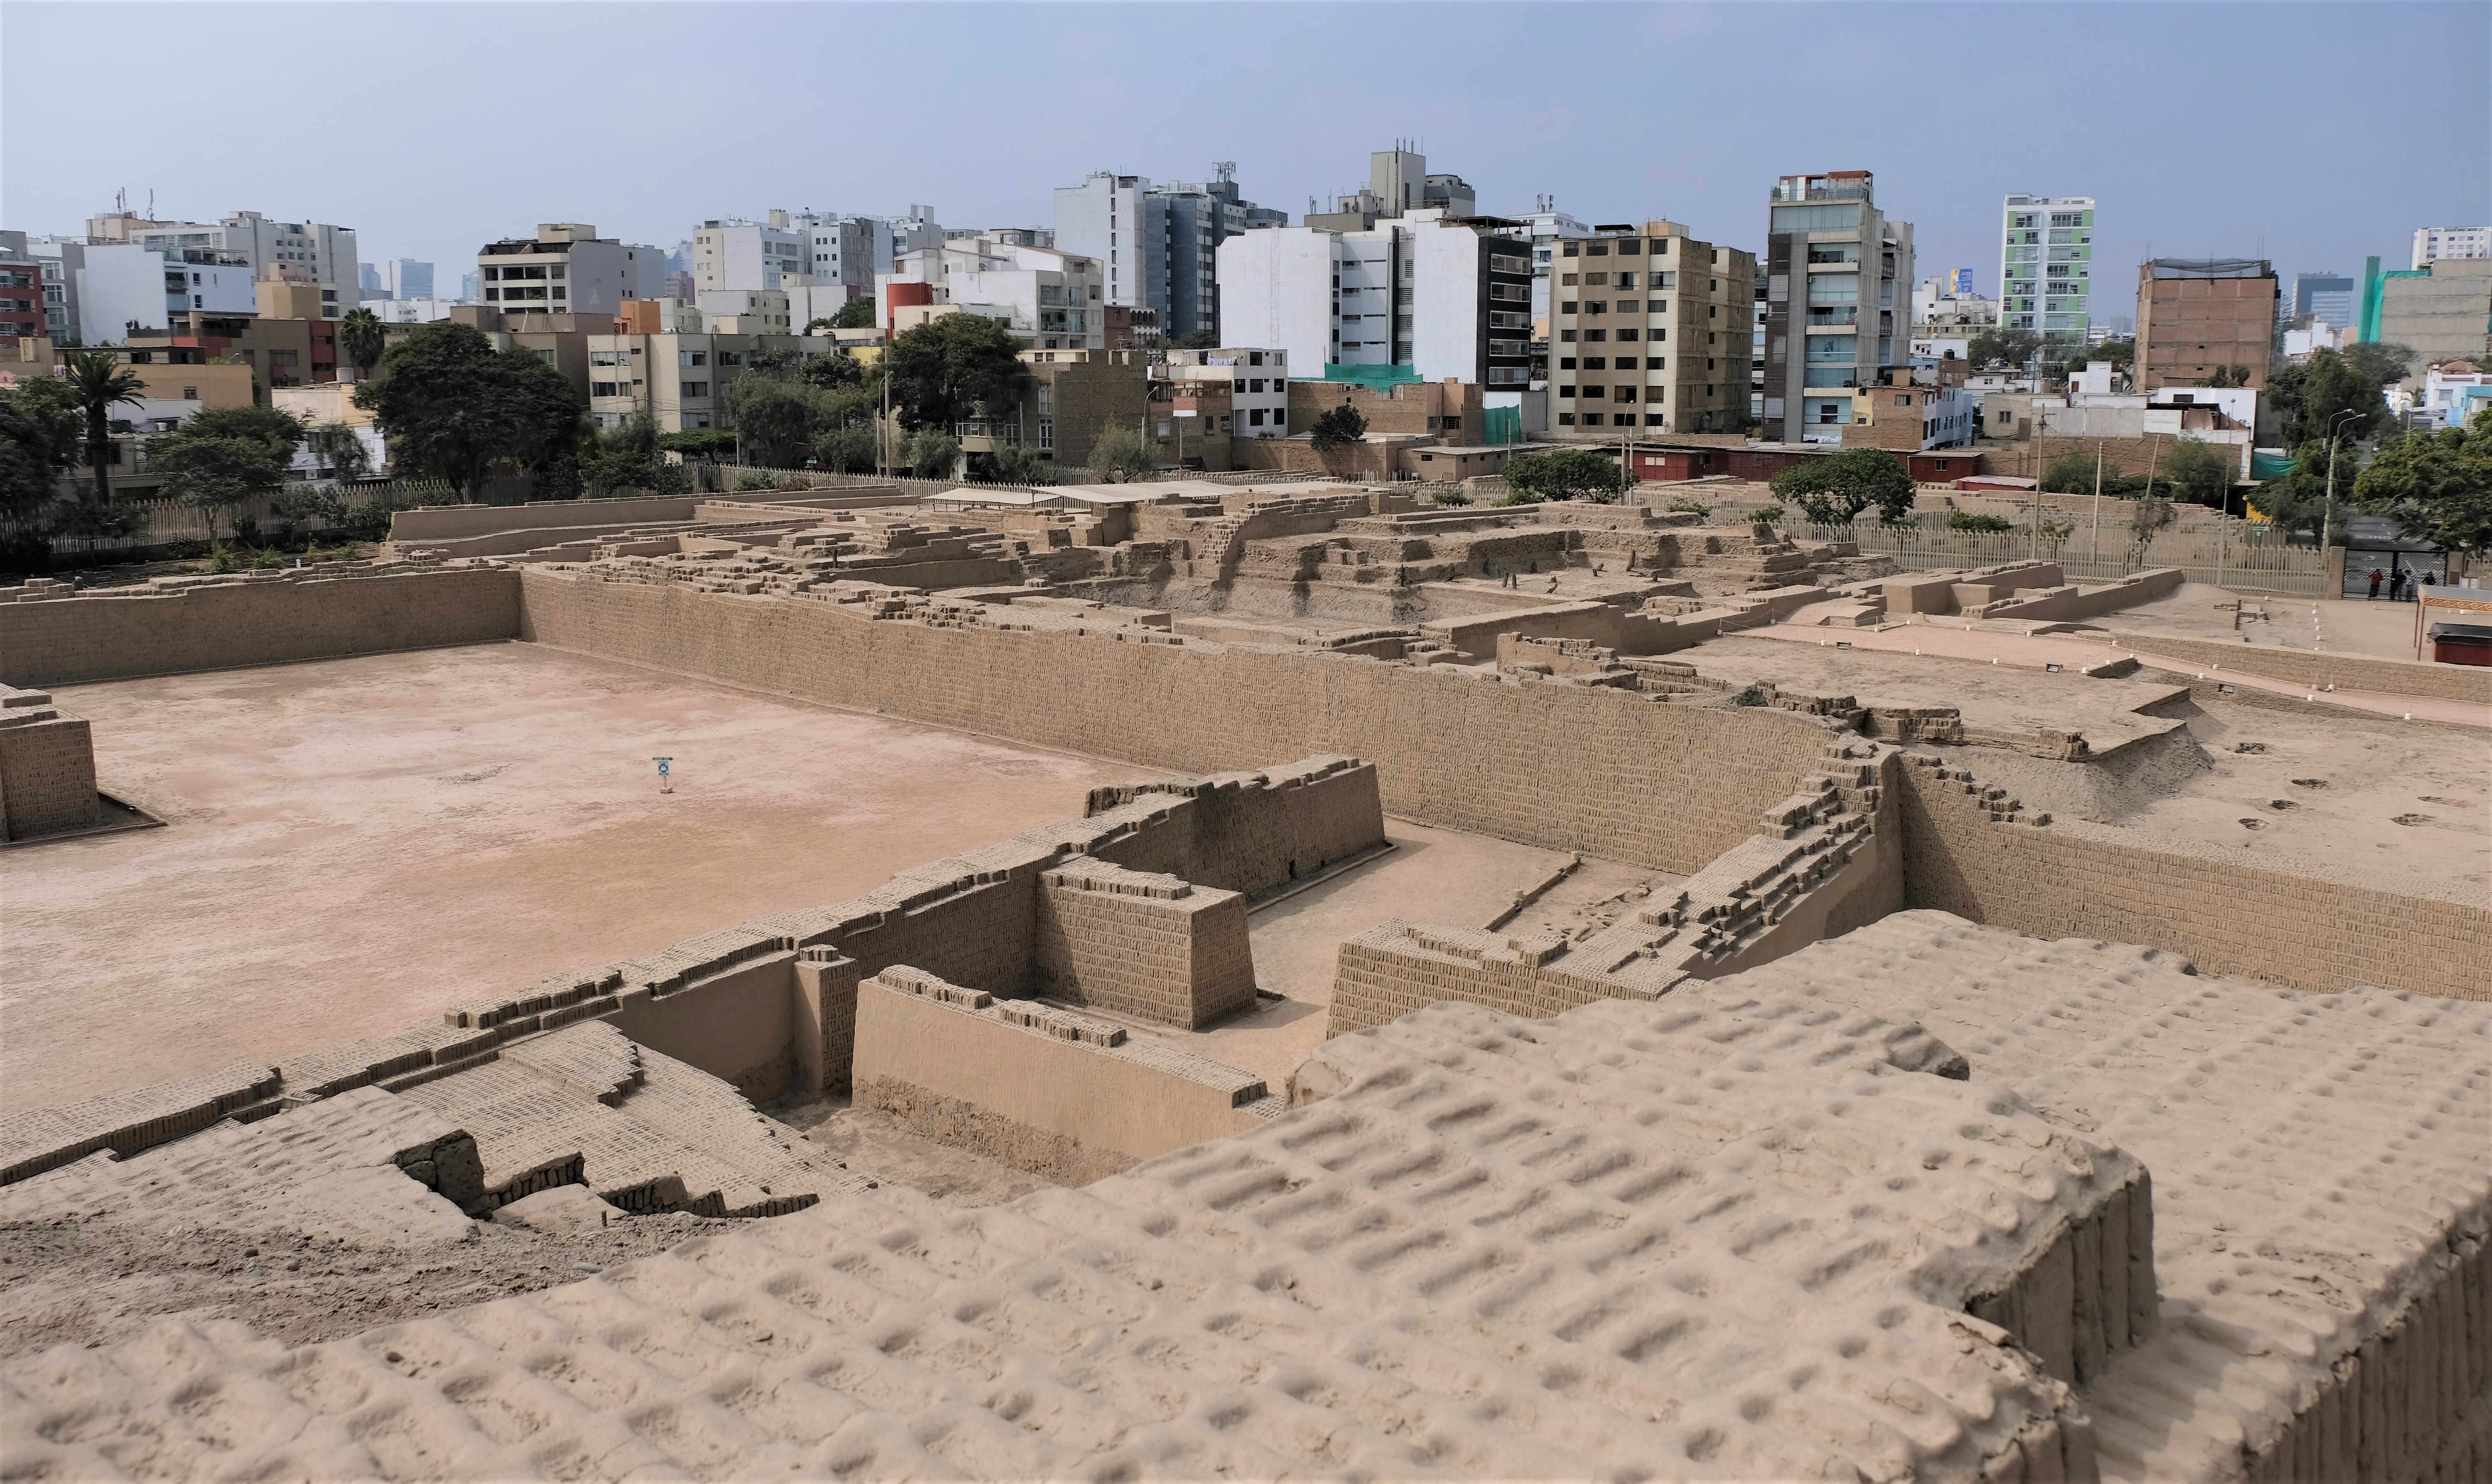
point(941, 372)
point(2310, 400)
point(451, 406)
point(362, 339)
point(1119, 455)
point(1337, 428)
point(855, 315)
point(42, 429)
point(1998, 343)
point(219, 458)
point(628, 457)
point(101, 383)
point(2437, 486)
point(1568, 474)
point(1832, 489)
point(2199, 471)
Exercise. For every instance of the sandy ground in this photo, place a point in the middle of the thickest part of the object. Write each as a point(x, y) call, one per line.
point(77, 1281)
point(354, 845)
point(2339, 626)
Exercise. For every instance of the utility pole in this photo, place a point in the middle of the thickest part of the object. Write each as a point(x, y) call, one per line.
point(2093, 546)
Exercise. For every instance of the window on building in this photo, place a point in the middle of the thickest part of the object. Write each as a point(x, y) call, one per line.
point(1596, 250)
point(1596, 281)
point(1566, 392)
point(1566, 335)
point(696, 388)
point(602, 389)
point(1570, 249)
point(1628, 333)
point(1596, 306)
point(1597, 334)
point(692, 358)
point(1626, 280)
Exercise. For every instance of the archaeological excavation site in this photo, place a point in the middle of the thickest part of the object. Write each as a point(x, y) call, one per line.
point(1234, 977)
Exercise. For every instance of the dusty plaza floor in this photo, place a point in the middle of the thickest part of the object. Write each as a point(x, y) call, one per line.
point(354, 845)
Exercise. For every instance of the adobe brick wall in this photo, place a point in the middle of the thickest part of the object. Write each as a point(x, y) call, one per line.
point(215, 624)
point(2321, 927)
point(1141, 944)
point(2346, 672)
point(1593, 769)
point(1244, 836)
point(47, 767)
point(1018, 1078)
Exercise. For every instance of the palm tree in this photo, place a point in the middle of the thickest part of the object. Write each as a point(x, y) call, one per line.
point(361, 337)
point(101, 384)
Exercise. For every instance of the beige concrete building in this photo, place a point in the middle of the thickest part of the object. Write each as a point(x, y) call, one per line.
point(680, 381)
point(1649, 331)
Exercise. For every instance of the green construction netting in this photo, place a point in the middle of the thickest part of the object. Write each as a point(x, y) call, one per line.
point(1373, 377)
point(1504, 424)
point(2270, 465)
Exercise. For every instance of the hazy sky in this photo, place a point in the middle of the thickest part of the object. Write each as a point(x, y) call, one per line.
point(2310, 133)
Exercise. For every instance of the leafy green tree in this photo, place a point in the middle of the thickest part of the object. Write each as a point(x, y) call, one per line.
point(1996, 344)
point(855, 315)
point(2379, 363)
point(942, 371)
point(41, 430)
point(362, 341)
point(1014, 465)
point(931, 453)
point(2228, 375)
point(2298, 500)
point(2309, 400)
point(1967, 520)
point(1568, 474)
point(2148, 517)
point(776, 417)
point(2437, 486)
point(1337, 428)
point(2116, 352)
point(101, 384)
point(341, 453)
point(451, 406)
point(834, 370)
point(845, 449)
point(627, 457)
point(1832, 489)
point(2071, 473)
point(1119, 455)
point(2199, 472)
point(698, 442)
point(224, 456)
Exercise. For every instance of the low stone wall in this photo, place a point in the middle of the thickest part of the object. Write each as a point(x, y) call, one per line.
point(2345, 671)
point(2314, 928)
point(1025, 1068)
point(174, 625)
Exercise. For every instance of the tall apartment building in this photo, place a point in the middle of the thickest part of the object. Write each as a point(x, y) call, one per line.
point(315, 249)
point(127, 288)
point(2442, 311)
point(58, 258)
point(567, 268)
point(1050, 299)
point(369, 282)
point(790, 250)
point(404, 278)
point(1547, 228)
point(2326, 297)
point(1438, 295)
point(2434, 243)
point(1649, 328)
point(1837, 277)
point(1398, 181)
point(2046, 266)
point(1160, 243)
point(2198, 316)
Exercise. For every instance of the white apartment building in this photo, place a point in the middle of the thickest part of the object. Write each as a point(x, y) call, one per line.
point(568, 268)
point(1443, 297)
point(1048, 298)
point(1160, 244)
point(1259, 385)
point(1936, 303)
point(124, 287)
point(413, 311)
point(2434, 243)
point(746, 311)
point(1546, 228)
point(791, 250)
point(316, 251)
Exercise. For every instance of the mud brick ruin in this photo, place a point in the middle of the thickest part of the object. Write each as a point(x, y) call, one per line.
point(1890, 1126)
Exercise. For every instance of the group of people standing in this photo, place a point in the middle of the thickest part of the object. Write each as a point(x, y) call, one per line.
point(2401, 583)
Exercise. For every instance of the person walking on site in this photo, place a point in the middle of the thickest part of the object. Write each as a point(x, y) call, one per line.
point(2375, 584)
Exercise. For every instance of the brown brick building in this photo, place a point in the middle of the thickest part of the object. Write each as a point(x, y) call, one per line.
point(2198, 316)
point(1650, 329)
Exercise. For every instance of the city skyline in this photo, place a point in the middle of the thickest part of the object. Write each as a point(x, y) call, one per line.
point(2194, 165)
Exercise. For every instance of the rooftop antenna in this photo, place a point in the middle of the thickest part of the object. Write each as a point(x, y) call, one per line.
point(151, 203)
point(121, 201)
